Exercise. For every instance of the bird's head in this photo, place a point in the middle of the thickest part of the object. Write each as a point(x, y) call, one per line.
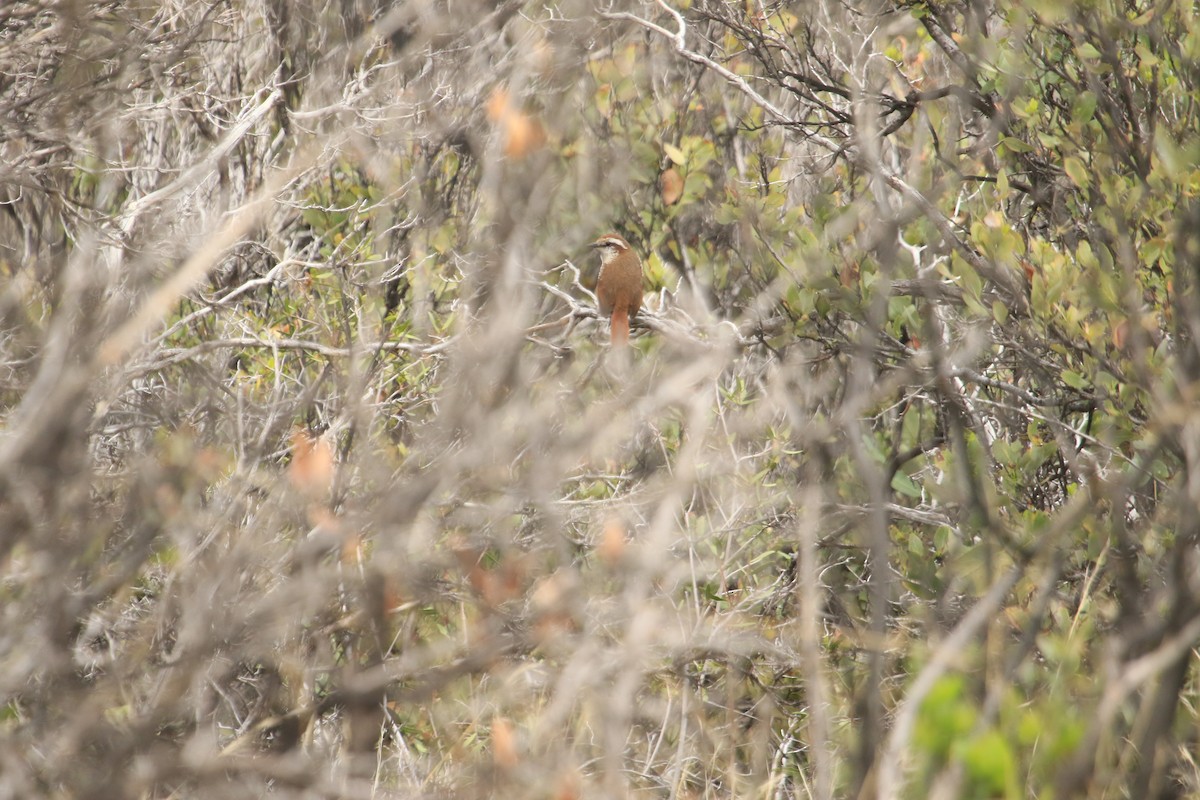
point(610, 246)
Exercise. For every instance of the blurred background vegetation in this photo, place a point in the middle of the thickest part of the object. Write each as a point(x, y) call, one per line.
point(318, 477)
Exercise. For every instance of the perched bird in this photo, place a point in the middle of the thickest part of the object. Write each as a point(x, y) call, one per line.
point(619, 287)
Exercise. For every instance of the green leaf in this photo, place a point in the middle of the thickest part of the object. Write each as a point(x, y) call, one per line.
point(1073, 379)
point(726, 214)
point(1000, 312)
point(972, 284)
point(873, 449)
point(1015, 145)
point(1085, 255)
point(903, 483)
point(941, 538)
point(990, 765)
point(944, 717)
point(1048, 140)
point(1076, 171)
point(675, 154)
point(1084, 108)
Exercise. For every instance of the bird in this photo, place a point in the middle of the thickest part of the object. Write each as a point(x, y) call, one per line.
point(619, 286)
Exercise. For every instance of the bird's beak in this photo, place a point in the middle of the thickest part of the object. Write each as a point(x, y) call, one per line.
point(594, 245)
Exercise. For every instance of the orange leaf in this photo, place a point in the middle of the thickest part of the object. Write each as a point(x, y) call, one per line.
point(504, 744)
point(670, 186)
point(548, 595)
point(352, 549)
point(522, 133)
point(568, 787)
point(849, 275)
point(1120, 333)
point(498, 104)
point(612, 542)
point(311, 468)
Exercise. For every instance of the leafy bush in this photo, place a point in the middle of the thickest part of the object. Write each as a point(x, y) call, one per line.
point(318, 476)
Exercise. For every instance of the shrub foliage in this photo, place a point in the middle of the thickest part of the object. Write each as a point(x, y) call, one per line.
point(318, 477)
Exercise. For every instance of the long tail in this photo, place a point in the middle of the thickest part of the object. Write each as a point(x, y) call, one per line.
point(620, 326)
